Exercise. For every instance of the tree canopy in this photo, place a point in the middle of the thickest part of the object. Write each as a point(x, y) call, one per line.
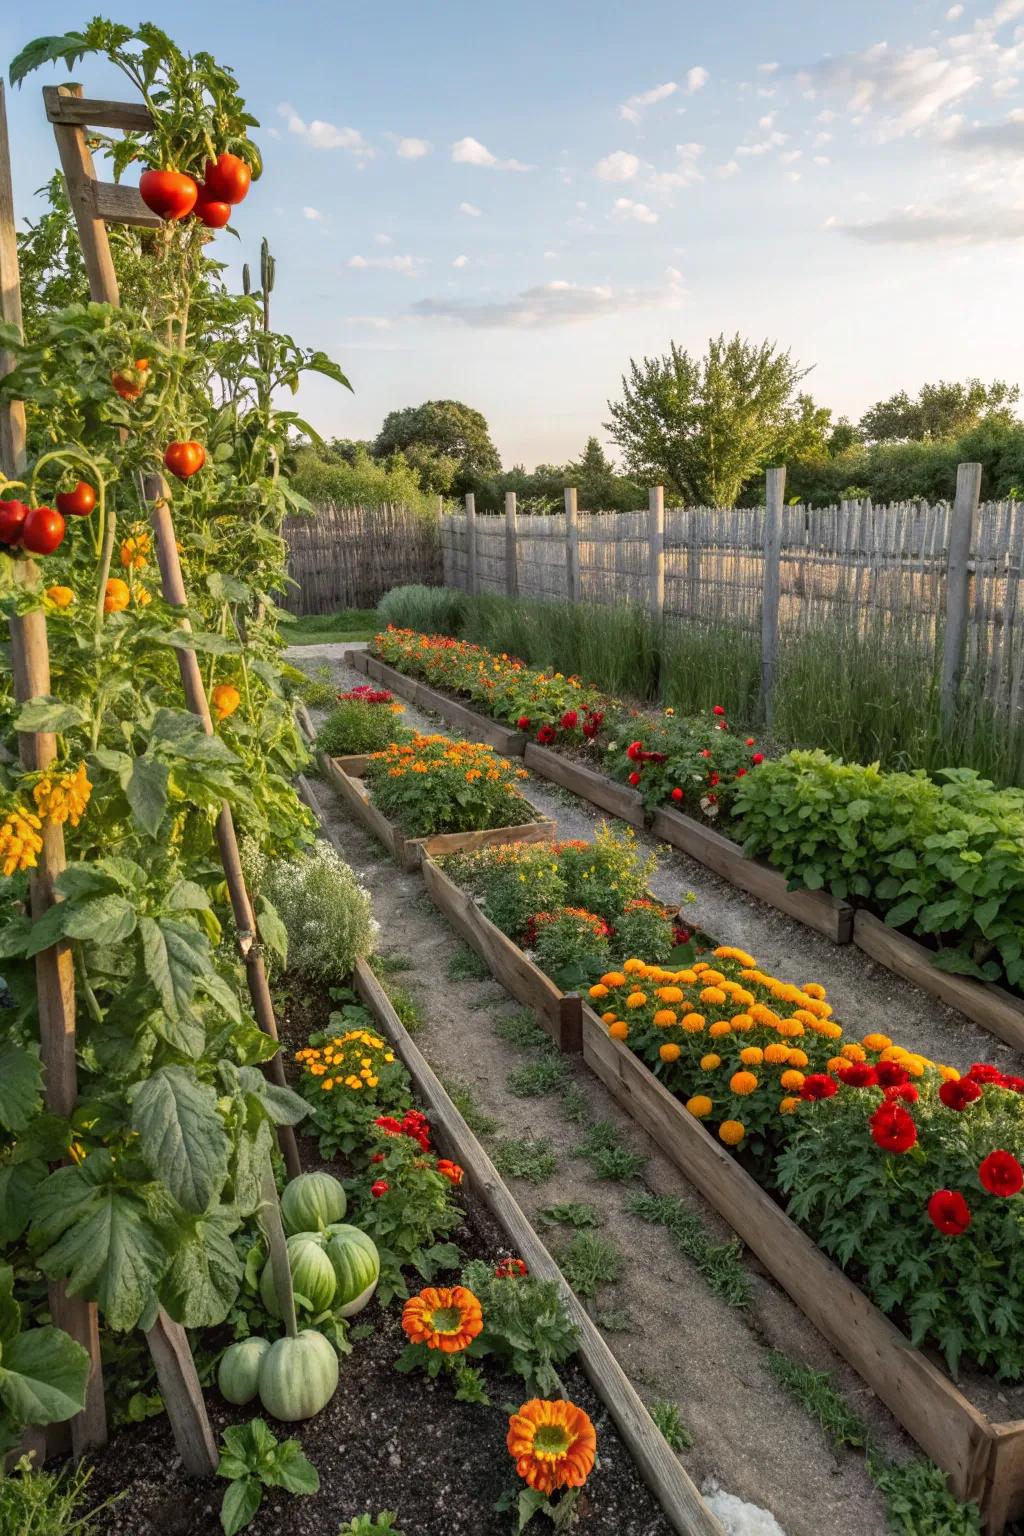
point(943, 410)
point(446, 442)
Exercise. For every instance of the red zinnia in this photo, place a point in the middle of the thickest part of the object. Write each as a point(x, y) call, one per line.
point(857, 1075)
point(523, 722)
point(1001, 1174)
point(890, 1074)
point(750, 741)
point(950, 1212)
point(1015, 1084)
point(590, 728)
point(959, 1093)
point(634, 778)
point(741, 773)
point(677, 793)
point(905, 1091)
point(379, 1187)
point(569, 720)
point(718, 710)
point(511, 1269)
point(892, 1128)
point(546, 735)
point(706, 752)
point(758, 757)
point(983, 1073)
point(634, 750)
point(818, 1085)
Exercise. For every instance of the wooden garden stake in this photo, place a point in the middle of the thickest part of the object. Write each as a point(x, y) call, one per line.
point(55, 980)
point(94, 204)
point(280, 1267)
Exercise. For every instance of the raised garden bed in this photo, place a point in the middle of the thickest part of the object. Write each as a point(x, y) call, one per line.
point(983, 1460)
point(345, 774)
point(508, 742)
point(598, 788)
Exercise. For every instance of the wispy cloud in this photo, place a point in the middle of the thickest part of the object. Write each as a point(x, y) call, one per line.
point(620, 165)
point(461, 261)
point(1006, 138)
point(631, 110)
point(405, 265)
point(321, 135)
point(696, 78)
point(537, 308)
point(470, 151)
point(624, 209)
point(312, 213)
point(469, 209)
point(935, 226)
point(413, 149)
point(902, 90)
point(682, 173)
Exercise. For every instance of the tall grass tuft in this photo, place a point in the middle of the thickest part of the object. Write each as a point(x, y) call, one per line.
point(428, 610)
point(615, 647)
point(711, 663)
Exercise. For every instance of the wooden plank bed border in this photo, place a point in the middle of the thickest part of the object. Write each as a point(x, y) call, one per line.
point(618, 799)
point(684, 1508)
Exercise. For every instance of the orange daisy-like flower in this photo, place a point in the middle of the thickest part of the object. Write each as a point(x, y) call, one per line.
point(553, 1444)
point(443, 1318)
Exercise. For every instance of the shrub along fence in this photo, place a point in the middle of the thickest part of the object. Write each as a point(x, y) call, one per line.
point(942, 580)
point(348, 557)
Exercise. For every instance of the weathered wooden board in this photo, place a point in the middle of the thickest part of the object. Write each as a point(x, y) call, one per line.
point(1004, 1500)
point(618, 799)
point(994, 1009)
point(508, 742)
point(359, 807)
point(683, 1506)
point(949, 1428)
point(824, 913)
point(359, 660)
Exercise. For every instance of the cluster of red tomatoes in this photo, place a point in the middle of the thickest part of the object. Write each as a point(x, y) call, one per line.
point(173, 195)
point(39, 530)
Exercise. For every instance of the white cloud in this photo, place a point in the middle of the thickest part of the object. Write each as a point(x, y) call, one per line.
point(822, 138)
point(625, 208)
point(383, 240)
point(772, 140)
point(321, 135)
point(791, 156)
point(469, 209)
point(1005, 86)
point(954, 13)
point(405, 265)
point(631, 110)
point(766, 122)
point(822, 160)
point(792, 175)
point(413, 149)
point(312, 213)
point(684, 173)
point(470, 151)
point(729, 168)
point(461, 261)
point(938, 226)
point(1006, 138)
point(696, 78)
point(537, 308)
point(618, 166)
point(904, 90)
point(767, 69)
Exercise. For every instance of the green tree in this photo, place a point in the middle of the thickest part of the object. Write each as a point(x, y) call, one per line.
point(447, 443)
point(943, 410)
point(703, 426)
point(600, 486)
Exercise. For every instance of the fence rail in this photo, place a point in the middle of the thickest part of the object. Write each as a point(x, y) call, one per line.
point(348, 557)
point(946, 577)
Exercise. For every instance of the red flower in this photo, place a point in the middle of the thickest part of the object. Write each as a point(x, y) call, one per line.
point(818, 1085)
point(634, 750)
point(590, 729)
point(758, 757)
point(706, 752)
point(634, 777)
point(449, 1170)
point(417, 1126)
point(1001, 1174)
point(569, 720)
point(750, 741)
point(378, 1157)
point(890, 1074)
point(950, 1212)
point(741, 773)
point(546, 735)
point(905, 1091)
point(718, 710)
point(511, 1269)
point(523, 722)
point(892, 1128)
point(983, 1073)
point(379, 1187)
point(1015, 1084)
point(677, 793)
point(959, 1093)
point(712, 779)
point(389, 1125)
point(857, 1075)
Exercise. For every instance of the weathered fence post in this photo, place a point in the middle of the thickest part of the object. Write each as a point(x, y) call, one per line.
point(472, 577)
point(656, 547)
point(572, 545)
point(511, 546)
point(958, 582)
point(775, 485)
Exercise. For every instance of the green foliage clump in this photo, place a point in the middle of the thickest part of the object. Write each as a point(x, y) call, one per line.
point(605, 874)
point(605, 1151)
point(512, 880)
point(444, 786)
point(428, 610)
point(548, 1075)
point(410, 1218)
point(326, 911)
point(464, 1099)
point(591, 1261)
point(41, 1503)
point(359, 480)
point(533, 1161)
point(567, 939)
point(721, 1264)
point(355, 727)
point(252, 1459)
point(669, 1420)
point(646, 931)
point(526, 1325)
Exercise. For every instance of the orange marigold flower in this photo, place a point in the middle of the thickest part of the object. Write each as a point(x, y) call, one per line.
point(742, 1022)
point(670, 994)
point(853, 1052)
point(598, 990)
point(709, 1062)
point(815, 990)
point(613, 979)
point(635, 968)
point(743, 1083)
point(877, 1042)
point(619, 1030)
point(609, 1018)
point(117, 596)
point(60, 597)
point(669, 1052)
point(444, 1318)
point(792, 1080)
point(693, 1023)
point(776, 1054)
point(787, 1105)
point(732, 1132)
point(636, 999)
point(712, 995)
point(728, 952)
point(225, 699)
point(751, 1056)
point(797, 1058)
point(723, 1027)
point(553, 1444)
point(664, 1017)
point(700, 1106)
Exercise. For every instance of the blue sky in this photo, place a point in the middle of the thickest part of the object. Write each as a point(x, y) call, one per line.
point(504, 204)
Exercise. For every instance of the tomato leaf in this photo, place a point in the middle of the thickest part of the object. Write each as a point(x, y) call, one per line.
point(146, 791)
point(181, 1136)
point(47, 50)
point(21, 1082)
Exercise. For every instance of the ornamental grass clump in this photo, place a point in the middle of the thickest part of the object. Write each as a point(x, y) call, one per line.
point(325, 910)
point(433, 784)
point(363, 720)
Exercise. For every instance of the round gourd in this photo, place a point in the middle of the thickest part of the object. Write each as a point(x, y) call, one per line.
point(311, 1201)
point(298, 1376)
point(356, 1265)
point(312, 1275)
point(239, 1370)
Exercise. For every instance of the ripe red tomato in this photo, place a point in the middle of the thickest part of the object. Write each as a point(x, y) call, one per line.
point(130, 382)
point(12, 518)
point(79, 502)
point(170, 194)
point(43, 530)
point(210, 212)
point(184, 459)
point(228, 180)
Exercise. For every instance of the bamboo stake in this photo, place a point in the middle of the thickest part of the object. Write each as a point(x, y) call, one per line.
point(55, 979)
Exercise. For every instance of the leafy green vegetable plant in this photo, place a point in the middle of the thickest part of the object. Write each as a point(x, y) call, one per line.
point(526, 1326)
point(252, 1459)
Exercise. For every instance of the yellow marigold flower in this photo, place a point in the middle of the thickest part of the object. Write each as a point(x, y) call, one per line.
point(743, 1083)
point(693, 1023)
point(670, 994)
point(877, 1042)
point(664, 1017)
point(790, 1029)
point(728, 952)
point(711, 978)
point(669, 1052)
point(751, 1056)
point(117, 596)
point(687, 977)
point(797, 1058)
point(853, 1052)
point(613, 979)
point(598, 990)
point(732, 1132)
point(700, 1106)
point(813, 989)
point(142, 597)
point(742, 1022)
point(792, 1080)
point(700, 967)
point(722, 1027)
point(609, 1018)
point(761, 1014)
point(775, 1054)
point(713, 995)
point(948, 1074)
point(60, 597)
point(915, 1066)
point(788, 1105)
point(635, 967)
point(829, 1030)
point(835, 1062)
point(20, 842)
point(709, 1062)
point(636, 999)
point(327, 1085)
point(619, 1030)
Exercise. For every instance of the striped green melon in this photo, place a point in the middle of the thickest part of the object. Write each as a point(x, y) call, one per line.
point(311, 1201)
point(356, 1267)
point(239, 1369)
point(298, 1376)
point(312, 1275)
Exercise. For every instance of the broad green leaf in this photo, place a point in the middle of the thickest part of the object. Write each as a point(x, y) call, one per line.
point(294, 1471)
point(14, 936)
point(272, 930)
point(18, 1183)
point(282, 1105)
point(43, 1376)
point(101, 920)
point(48, 714)
point(146, 790)
point(181, 1136)
point(241, 1502)
point(21, 1083)
point(10, 1311)
point(185, 736)
point(47, 50)
point(187, 896)
point(173, 955)
point(222, 994)
point(228, 589)
point(203, 1281)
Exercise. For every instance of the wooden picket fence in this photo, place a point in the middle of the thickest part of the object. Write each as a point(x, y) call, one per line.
point(348, 557)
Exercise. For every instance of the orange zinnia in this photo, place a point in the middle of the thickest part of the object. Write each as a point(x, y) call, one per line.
point(553, 1444)
point(443, 1318)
